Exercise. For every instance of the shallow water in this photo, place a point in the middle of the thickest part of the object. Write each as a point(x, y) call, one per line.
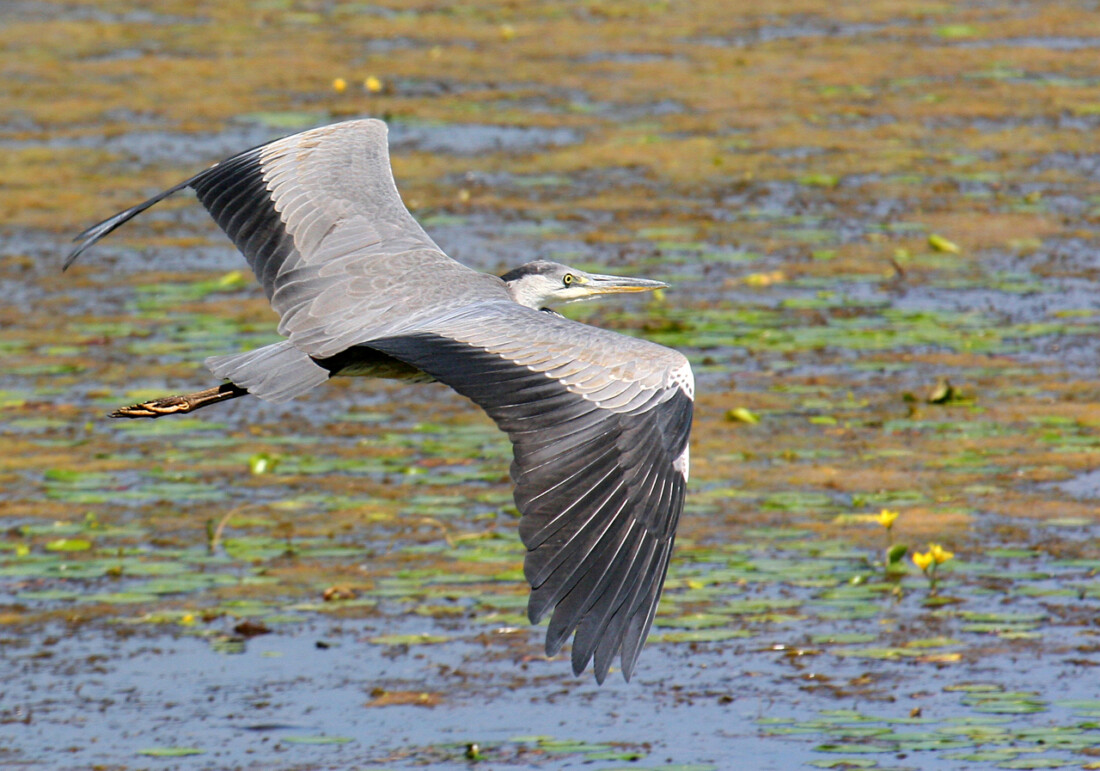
point(879, 225)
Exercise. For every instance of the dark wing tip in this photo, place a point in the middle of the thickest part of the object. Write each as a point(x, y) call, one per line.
point(94, 233)
point(601, 492)
point(602, 576)
point(89, 236)
point(98, 231)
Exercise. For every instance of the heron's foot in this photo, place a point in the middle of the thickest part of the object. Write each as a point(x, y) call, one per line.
point(176, 405)
point(167, 405)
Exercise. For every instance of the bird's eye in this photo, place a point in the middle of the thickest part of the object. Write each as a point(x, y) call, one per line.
point(567, 279)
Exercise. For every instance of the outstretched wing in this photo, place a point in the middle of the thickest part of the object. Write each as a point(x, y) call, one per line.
point(319, 219)
point(599, 423)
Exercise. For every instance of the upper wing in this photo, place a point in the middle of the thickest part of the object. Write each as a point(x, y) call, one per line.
point(599, 423)
point(319, 219)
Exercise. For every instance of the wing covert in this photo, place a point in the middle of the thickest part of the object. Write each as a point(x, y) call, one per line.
point(600, 461)
point(318, 217)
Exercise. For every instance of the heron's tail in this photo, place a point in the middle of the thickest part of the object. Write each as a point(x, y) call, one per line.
point(276, 373)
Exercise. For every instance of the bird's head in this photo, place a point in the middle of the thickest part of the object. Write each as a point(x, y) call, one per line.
point(541, 284)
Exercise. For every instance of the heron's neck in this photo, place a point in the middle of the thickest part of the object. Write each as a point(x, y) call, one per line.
point(524, 293)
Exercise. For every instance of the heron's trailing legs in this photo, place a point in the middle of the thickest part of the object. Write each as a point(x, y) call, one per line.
point(174, 405)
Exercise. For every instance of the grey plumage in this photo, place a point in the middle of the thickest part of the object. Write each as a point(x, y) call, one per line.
point(276, 373)
point(599, 421)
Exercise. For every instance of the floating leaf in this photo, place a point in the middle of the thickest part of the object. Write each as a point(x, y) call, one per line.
point(896, 553)
point(316, 739)
point(742, 415)
point(957, 31)
point(941, 244)
point(819, 180)
point(842, 638)
point(119, 598)
point(695, 621)
point(1035, 762)
point(703, 635)
point(262, 463)
point(852, 748)
point(286, 120)
point(404, 699)
point(69, 544)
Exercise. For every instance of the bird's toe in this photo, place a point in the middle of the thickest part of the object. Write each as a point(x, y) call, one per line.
point(167, 405)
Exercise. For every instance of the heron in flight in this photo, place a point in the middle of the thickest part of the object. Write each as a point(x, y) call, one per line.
point(599, 421)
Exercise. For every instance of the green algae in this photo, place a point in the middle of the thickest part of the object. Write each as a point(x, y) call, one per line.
point(798, 301)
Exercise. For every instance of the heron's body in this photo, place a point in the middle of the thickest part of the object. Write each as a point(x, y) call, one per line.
point(599, 421)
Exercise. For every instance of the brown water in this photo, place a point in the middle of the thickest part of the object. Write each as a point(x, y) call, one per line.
point(853, 206)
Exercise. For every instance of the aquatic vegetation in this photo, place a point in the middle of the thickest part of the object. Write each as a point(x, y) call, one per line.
point(929, 563)
point(795, 175)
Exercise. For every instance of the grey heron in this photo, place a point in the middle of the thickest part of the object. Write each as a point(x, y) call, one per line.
point(599, 421)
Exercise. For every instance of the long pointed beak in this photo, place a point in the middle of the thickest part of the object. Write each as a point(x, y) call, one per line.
point(598, 284)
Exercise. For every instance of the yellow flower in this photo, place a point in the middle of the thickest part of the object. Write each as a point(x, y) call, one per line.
point(339, 85)
point(939, 554)
point(507, 32)
point(886, 518)
point(372, 84)
point(923, 561)
point(188, 619)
